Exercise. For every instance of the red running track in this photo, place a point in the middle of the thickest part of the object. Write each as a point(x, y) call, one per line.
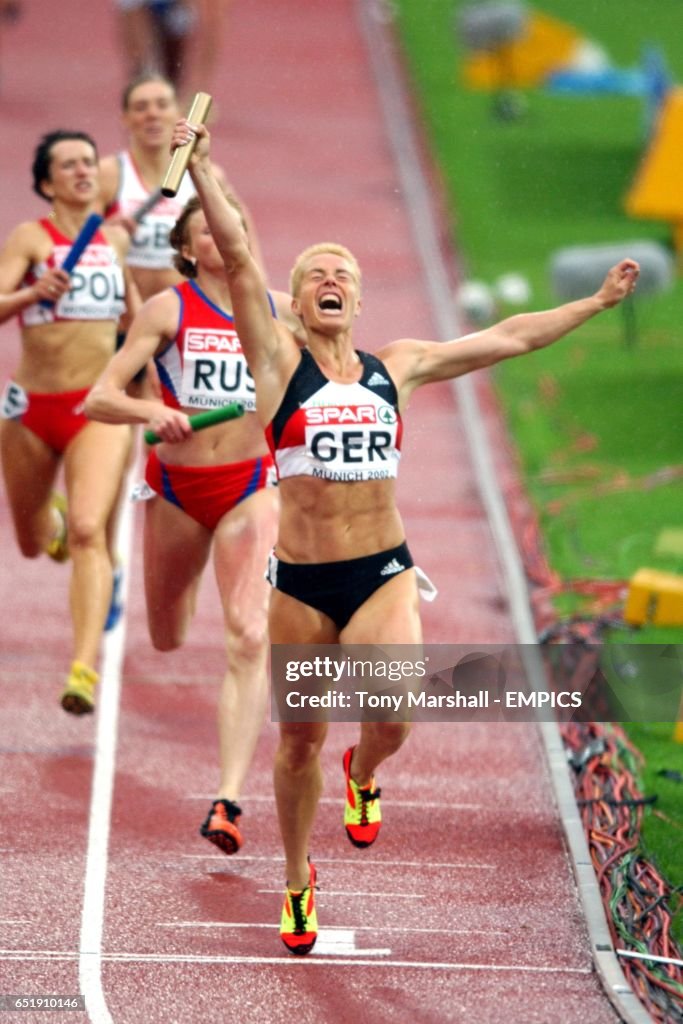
point(465, 910)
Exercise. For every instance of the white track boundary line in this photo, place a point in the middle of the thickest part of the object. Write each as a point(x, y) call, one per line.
point(375, 17)
point(108, 701)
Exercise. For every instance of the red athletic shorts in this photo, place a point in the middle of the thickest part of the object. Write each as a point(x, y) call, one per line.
point(55, 419)
point(206, 493)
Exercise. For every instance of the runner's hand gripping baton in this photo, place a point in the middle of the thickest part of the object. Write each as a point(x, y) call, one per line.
point(76, 251)
point(231, 411)
point(199, 111)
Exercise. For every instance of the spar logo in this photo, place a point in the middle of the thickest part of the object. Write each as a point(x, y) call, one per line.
point(340, 414)
point(350, 436)
point(214, 341)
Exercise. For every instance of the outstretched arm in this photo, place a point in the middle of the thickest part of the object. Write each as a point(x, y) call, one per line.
point(253, 318)
point(107, 400)
point(419, 362)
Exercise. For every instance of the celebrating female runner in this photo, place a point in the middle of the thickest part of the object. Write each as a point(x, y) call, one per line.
point(341, 571)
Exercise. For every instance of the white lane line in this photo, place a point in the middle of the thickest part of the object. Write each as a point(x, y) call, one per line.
point(348, 892)
point(342, 942)
point(179, 958)
point(38, 955)
point(109, 691)
point(423, 865)
point(338, 801)
point(332, 928)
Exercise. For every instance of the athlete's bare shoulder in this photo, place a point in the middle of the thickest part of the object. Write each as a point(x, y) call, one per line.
point(401, 359)
point(156, 322)
point(29, 239)
point(397, 352)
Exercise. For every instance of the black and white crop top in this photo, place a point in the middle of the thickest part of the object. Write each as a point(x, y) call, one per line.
point(339, 432)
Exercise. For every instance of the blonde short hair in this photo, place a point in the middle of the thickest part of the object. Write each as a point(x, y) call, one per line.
point(334, 248)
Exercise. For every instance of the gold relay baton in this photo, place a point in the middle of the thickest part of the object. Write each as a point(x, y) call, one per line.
point(199, 111)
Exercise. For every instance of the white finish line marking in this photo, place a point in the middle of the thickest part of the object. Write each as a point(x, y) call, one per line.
point(312, 958)
point(432, 805)
point(349, 892)
point(423, 865)
point(342, 942)
point(332, 928)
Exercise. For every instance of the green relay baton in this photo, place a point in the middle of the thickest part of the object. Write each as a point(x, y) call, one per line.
point(231, 411)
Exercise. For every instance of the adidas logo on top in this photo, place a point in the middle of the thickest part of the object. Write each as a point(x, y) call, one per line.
point(391, 567)
point(376, 379)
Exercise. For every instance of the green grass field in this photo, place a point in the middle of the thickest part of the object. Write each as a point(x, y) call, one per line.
point(598, 422)
point(663, 832)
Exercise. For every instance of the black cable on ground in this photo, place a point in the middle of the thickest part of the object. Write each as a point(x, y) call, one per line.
point(638, 901)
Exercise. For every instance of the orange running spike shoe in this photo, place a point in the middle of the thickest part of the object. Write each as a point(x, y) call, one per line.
point(299, 921)
point(362, 813)
point(220, 827)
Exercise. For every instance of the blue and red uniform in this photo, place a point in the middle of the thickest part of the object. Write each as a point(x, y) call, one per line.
point(203, 368)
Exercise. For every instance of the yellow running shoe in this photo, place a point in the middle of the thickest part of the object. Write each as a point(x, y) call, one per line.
point(58, 548)
point(79, 694)
point(299, 921)
point(362, 812)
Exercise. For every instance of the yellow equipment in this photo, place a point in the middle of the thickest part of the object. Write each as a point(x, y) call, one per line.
point(654, 598)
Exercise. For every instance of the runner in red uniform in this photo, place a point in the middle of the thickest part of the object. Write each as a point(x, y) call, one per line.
point(65, 347)
point(129, 178)
point(212, 493)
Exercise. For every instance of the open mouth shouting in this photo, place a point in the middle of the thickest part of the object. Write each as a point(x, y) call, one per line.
point(330, 303)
